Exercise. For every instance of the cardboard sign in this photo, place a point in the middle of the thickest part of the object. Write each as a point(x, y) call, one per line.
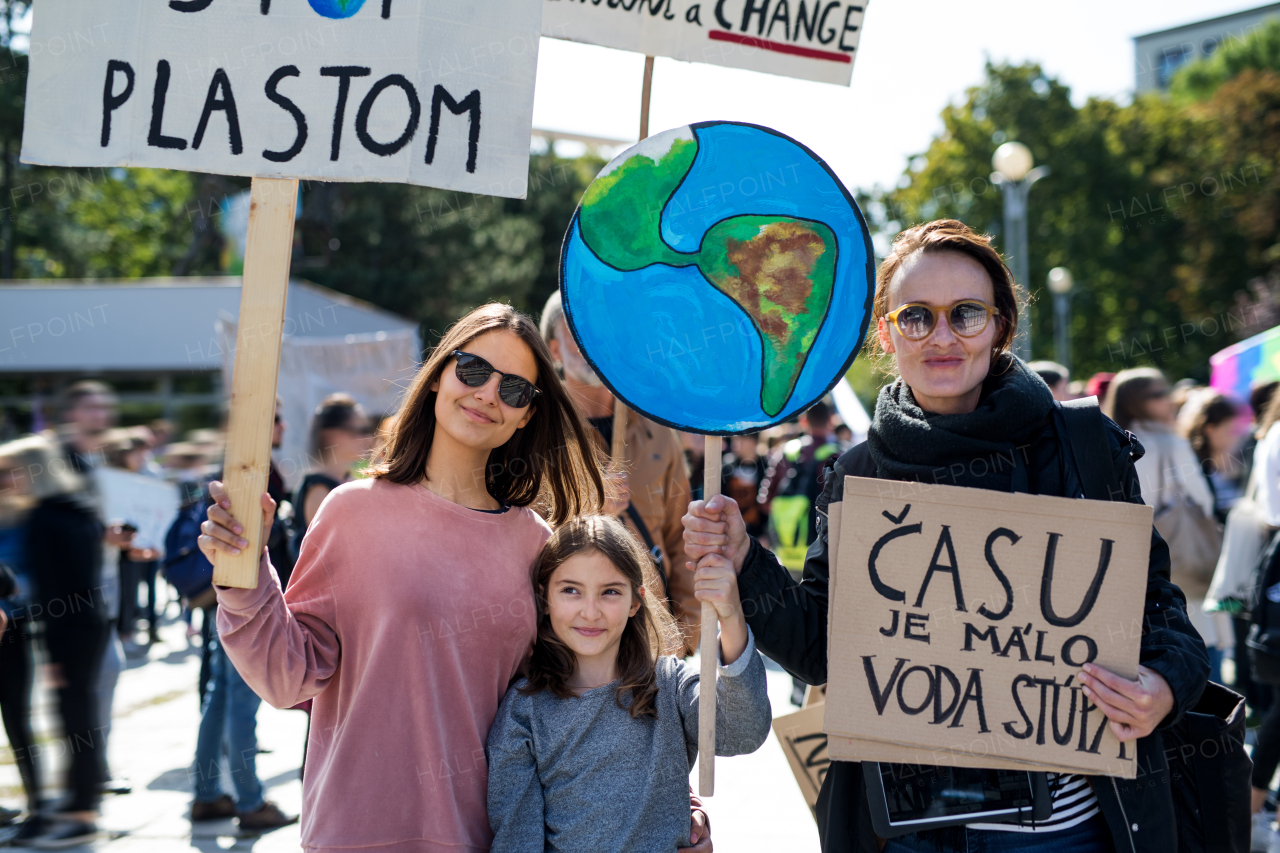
point(809, 39)
point(805, 745)
point(962, 617)
point(434, 93)
point(148, 504)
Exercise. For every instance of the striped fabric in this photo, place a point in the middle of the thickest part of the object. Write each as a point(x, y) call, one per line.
point(1073, 803)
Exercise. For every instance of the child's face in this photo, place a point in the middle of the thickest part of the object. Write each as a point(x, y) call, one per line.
point(589, 602)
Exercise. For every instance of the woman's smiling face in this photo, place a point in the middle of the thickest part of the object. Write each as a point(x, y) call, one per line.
point(944, 370)
point(478, 417)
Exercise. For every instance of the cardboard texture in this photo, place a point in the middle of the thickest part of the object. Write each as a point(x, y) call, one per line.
point(812, 42)
point(805, 745)
point(961, 619)
point(854, 749)
point(438, 94)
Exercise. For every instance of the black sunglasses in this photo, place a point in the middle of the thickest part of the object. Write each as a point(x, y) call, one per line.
point(473, 371)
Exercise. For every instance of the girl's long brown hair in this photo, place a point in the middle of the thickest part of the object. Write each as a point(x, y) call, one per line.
point(552, 461)
point(649, 634)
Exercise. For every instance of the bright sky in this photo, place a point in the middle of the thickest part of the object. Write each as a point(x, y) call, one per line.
point(914, 57)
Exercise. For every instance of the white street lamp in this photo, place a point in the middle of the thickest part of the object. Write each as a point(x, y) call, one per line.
point(1014, 175)
point(1013, 160)
point(1060, 284)
point(1060, 281)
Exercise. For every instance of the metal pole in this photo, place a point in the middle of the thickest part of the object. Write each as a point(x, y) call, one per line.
point(1021, 268)
point(1015, 236)
point(1062, 321)
point(1017, 247)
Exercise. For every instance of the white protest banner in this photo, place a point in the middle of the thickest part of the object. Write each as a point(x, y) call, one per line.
point(432, 93)
point(962, 617)
point(148, 504)
point(809, 39)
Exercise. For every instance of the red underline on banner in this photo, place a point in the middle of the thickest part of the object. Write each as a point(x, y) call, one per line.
point(794, 50)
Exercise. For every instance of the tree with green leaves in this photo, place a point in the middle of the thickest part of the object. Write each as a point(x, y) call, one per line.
point(1142, 205)
point(433, 254)
point(1257, 51)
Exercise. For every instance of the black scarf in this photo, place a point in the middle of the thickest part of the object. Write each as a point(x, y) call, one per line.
point(986, 448)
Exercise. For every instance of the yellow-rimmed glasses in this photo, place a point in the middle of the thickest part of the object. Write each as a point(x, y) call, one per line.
point(967, 318)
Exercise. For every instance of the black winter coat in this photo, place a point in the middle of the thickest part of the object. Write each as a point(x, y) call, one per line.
point(789, 621)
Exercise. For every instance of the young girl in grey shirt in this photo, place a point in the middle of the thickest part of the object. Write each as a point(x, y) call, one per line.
point(592, 751)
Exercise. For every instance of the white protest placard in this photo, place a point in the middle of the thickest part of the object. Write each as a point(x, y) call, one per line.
point(809, 39)
point(148, 504)
point(433, 93)
point(962, 617)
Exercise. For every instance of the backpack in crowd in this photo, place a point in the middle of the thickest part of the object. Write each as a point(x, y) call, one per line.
point(1207, 759)
point(1264, 616)
point(185, 565)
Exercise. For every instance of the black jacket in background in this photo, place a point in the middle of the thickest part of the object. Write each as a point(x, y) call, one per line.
point(789, 621)
point(64, 555)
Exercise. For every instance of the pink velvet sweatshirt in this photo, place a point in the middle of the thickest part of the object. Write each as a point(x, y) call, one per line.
point(406, 618)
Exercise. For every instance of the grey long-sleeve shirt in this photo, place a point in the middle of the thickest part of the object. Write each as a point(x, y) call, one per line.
point(580, 774)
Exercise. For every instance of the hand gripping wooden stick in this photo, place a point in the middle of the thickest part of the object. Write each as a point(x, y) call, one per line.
point(709, 646)
point(272, 203)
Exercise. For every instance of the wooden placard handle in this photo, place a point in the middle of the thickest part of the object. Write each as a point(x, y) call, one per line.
point(272, 204)
point(709, 646)
point(646, 89)
point(618, 449)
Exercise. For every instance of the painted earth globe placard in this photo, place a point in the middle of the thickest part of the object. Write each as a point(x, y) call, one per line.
point(718, 277)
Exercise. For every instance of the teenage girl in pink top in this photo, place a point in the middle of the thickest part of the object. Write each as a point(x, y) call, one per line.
point(411, 607)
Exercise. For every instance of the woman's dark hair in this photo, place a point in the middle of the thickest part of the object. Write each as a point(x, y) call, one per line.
point(1128, 393)
point(1270, 417)
point(551, 461)
point(1209, 409)
point(1260, 399)
point(336, 411)
point(649, 634)
point(120, 443)
point(949, 235)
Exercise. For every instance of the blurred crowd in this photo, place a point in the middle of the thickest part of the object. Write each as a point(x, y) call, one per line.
point(81, 594)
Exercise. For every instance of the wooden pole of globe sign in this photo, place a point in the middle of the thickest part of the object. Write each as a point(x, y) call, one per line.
point(713, 312)
point(713, 453)
point(619, 443)
point(709, 645)
point(272, 204)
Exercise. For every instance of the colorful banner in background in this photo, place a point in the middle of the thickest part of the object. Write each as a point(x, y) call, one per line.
point(1239, 367)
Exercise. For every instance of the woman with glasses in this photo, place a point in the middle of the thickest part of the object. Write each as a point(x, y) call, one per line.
point(411, 605)
point(964, 411)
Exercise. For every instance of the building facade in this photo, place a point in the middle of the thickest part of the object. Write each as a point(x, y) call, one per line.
point(1158, 55)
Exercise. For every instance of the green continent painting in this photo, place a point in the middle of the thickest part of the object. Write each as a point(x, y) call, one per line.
point(718, 276)
point(781, 272)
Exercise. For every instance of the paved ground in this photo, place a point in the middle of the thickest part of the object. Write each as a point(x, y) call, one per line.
point(757, 807)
